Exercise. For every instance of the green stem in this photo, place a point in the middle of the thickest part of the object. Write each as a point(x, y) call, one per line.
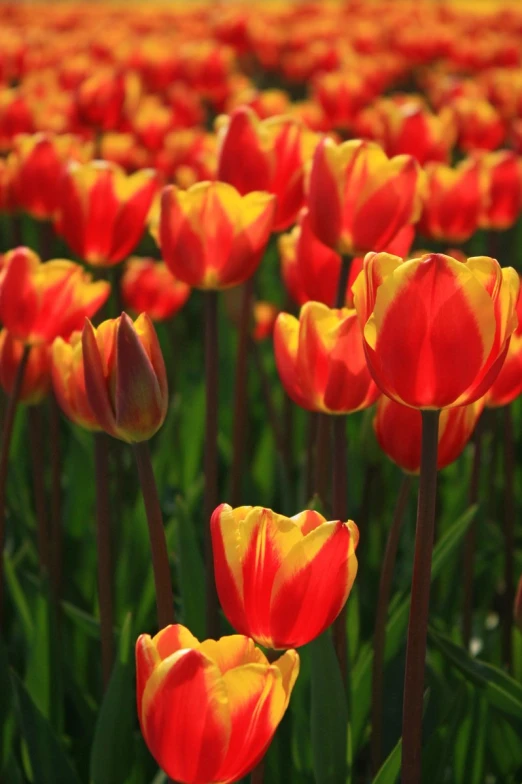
point(103, 546)
point(419, 607)
point(509, 538)
point(470, 542)
point(210, 500)
point(37, 450)
point(240, 394)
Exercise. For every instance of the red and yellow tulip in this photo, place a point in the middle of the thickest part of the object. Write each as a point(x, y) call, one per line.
point(282, 580)
point(503, 202)
point(148, 286)
point(358, 198)
point(209, 710)
point(37, 376)
point(450, 348)
point(398, 430)
point(508, 384)
point(210, 236)
point(321, 362)
point(266, 155)
point(102, 211)
point(42, 301)
point(68, 377)
point(125, 377)
point(454, 201)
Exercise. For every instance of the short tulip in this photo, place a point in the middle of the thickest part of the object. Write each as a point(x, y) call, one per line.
point(209, 710)
point(69, 381)
point(503, 203)
point(450, 347)
point(266, 155)
point(210, 236)
point(358, 198)
point(42, 301)
point(398, 430)
point(148, 286)
point(454, 201)
point(125, 377)
point(102, 211)
point(282, 580)
point(321, 362)
point(37, 376)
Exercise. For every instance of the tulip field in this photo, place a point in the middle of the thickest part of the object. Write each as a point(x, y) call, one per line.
point(261, 392)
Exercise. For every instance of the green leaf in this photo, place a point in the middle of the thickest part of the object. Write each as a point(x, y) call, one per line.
point(49, 762)
point(329, 713)
point(192, 429)
point(42, 678)
point(6, 712)
point(500, 690)
point(470, 741)
point(390, 769)
point(18, 597)
point(112, 748)
point(190, 570)
point(396, 627)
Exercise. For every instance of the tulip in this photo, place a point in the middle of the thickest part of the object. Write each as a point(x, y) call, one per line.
point(508, 384)
point(68, 377)
point(341, 95)
point(209, 710)
point(266, 155)
point(106, 97)
point(125, 377)
point(480, 126)
point(359, 199)
point(454, 201)
point(39, 302)
point(320, 360)
point(450, 348)
point(36, 379)
point(398, 430)
point(265, 314)
point(282, 580)
point(148, 286)
point(210, 236)
point(102, 211)
point(504, 188)
point(36, 165)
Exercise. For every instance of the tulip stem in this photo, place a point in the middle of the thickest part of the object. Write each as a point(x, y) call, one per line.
point(4, 458)
point(381, 616)
point(340, 298)
point(56, 501)
point(509, 537)
point(211, 453)
point(158, 542)
point(322, 454)
point(340, 512)
point(266, 389)
point(240, 394)
point(36, 444)
point(103, 544)
point(470, 541)
point(420, 599)
point(310, 444)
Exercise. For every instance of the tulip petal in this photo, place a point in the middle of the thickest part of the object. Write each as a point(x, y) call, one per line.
point(286, 342)
point(232, 651)
point(95, 384)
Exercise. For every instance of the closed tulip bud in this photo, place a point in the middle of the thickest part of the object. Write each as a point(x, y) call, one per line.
point(320, 360)
point(480, 126)
point(148, 286)
point(503, 203)
point(358, 198)
point(517, 614)
point(450, 348)
point(102, 211)
point(266, 155)
point(125, 377)
point(36, 165)
point(69, 381)
point(210, 236)
point(39, 302)
point(209, 710)
point(399, 430)
point(282, 580)
point(37, 376)
point(454, 201)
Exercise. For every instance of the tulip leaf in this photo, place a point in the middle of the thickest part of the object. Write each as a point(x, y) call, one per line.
point(42, 679)
point(112, 748)
point(329, 713)
point(397, 624)
point(389, 771)
point(6, 715)
point(470, 741)
point(500, 690)
point(190, 570)
point(48, 760)
point(18, 597)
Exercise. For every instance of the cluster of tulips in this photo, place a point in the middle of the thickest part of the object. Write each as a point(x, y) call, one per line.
point(379, 162)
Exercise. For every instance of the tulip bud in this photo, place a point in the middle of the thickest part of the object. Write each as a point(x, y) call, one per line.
point(399, 430)
point(148, 286)
point(320, 360)
point(451, 347)
point(503, 202)
point(125, 377)
point(69, 381)
point(229, 683)
point(39, 302)
point(454, 201)
point(37, 378)
point(282, 580)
